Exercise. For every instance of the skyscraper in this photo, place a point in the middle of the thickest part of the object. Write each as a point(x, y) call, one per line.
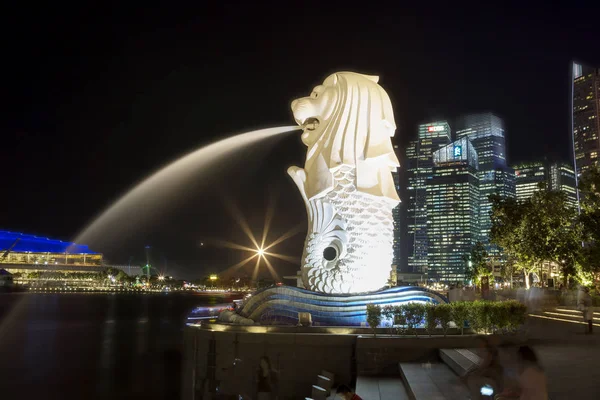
point(562, 178)
point(529, 176)
point(555, 176)
point(419, 170)
point(452, 210)
point(486, 133)
point(396, 213)
point(585, 116)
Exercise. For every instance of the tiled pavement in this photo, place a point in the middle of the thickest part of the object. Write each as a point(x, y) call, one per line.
point(570, 358)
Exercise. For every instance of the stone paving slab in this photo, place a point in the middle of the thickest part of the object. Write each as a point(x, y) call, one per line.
point(418, 382)
point(381, 388)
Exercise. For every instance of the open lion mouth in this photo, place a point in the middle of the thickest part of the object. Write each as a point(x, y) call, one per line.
point(310, 124)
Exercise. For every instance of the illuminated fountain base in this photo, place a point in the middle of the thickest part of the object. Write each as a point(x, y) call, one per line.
point(280, 305)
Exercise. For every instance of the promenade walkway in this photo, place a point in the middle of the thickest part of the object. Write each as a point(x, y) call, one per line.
point(570, 358)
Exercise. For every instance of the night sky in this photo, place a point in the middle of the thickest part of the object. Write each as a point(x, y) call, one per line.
point(97, 97)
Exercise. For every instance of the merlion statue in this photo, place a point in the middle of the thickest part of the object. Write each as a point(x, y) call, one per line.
point(347, 184)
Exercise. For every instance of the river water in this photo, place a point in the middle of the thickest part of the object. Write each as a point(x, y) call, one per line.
point(94, 346)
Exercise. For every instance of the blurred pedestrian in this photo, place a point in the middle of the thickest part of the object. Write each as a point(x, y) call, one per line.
point(266, 380)
point(532, 380)
point(584, 304)
point(346, 393)
point(489, 373)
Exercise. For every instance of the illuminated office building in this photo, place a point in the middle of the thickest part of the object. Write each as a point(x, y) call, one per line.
point(531, 177)
point(22, 253)
point(452, 204)
point(486, 133)
point(396, 214)
point(585, 116)
point(562, 178)
point(22, 249)
point(419, 170)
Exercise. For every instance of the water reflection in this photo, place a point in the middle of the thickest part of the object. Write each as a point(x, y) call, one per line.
point(74, 346)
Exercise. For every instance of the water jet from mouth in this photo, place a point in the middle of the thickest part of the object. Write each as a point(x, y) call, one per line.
point(155, 193)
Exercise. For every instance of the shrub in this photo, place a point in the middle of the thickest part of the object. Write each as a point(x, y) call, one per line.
point(388, 313)
point(399, 320)
point(414, 314)
point(373, 316)
point(431, 317)
point(444, 315)
point(479, 316)
point(516, 314)
point(497, 317)
point(399, 317)
point(460, 314)
point(482, 316)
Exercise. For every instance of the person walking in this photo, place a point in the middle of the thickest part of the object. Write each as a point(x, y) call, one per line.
point(584, 304)
point(532, 383)
point(266, 380)
point(487, 374)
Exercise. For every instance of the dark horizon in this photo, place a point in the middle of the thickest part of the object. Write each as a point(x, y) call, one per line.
point(99, 99)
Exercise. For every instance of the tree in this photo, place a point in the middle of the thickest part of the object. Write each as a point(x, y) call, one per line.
point(507, 218)
point(477, 264)
point(541, 229)
point(555, 226)
point(373, 317)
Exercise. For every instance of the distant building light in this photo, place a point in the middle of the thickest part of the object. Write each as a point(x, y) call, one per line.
point(457, 151)
point(435, 128)
point(213, 277)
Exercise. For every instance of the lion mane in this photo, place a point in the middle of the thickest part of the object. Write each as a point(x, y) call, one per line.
point(357, 134)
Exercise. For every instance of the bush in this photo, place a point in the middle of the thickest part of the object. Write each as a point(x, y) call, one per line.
point(414, 314)
point(460, 314)
point(373, 316)
point(431, 317)
point(388, 313)
point(517, 313)
point(399, 317)
point(482, 316)
point(500, 316)
point(479, 316)
point(444, 315)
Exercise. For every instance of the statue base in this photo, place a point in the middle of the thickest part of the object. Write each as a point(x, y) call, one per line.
point(281, 305)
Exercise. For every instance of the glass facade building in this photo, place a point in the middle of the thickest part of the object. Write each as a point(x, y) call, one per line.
point(557, 176)
point(486, 133)
point(19, 248)
point(419, 170)
point(585, 88)
point(529, 177)
point(396, 214)
point(562, 178)
point(452, 204)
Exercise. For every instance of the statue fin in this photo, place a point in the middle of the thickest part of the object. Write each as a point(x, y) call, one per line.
point(299, 177)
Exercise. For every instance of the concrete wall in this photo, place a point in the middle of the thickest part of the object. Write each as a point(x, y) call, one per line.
point(298, 358)
point(381, 355)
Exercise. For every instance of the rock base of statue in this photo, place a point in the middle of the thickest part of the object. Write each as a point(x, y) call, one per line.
point(281, 305)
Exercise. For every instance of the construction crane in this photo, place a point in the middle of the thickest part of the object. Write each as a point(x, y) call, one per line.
point(5, 254)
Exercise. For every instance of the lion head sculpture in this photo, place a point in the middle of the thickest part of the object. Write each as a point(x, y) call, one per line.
point(348, 120)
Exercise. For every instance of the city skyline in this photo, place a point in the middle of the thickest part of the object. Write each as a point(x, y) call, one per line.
point(447, 212)
point(99, 100)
